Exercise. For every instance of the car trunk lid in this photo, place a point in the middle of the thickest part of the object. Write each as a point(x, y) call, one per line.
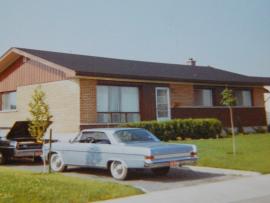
point(20, 132)
point(160, 148)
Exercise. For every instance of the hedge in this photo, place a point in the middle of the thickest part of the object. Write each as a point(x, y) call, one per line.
point(181, 128)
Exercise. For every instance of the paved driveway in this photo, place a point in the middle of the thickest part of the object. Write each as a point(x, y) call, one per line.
point(145, 180)
point(241, 190)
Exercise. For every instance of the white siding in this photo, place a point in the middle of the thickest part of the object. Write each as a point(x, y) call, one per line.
point(63, 98)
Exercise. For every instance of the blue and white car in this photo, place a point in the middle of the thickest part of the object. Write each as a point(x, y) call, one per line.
point(119, 149)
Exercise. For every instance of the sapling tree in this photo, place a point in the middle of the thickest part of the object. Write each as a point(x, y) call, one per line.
point(40, 116)
point(229, 100)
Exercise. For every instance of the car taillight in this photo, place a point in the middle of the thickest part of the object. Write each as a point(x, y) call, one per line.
point(193, 154)
point(149, 158)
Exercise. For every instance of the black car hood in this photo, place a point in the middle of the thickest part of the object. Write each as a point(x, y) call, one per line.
point(19, 131)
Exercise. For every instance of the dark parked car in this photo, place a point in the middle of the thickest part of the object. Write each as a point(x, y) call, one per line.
point(18, 143)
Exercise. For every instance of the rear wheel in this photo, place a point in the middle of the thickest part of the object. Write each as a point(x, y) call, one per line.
point(2, 158)
point(57, 163)
point(118, 170)
point(161, 171)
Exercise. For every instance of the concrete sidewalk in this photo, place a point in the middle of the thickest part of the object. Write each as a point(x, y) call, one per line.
point(246, 189)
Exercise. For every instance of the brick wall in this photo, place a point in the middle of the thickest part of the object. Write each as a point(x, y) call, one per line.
point(258, 96)
point(88, 101)
point(63, 99)
point(181, 95)
point(243, 116)
point(267, 104)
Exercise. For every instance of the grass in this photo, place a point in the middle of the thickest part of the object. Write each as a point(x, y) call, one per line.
point(253, 152)
point(27, 187)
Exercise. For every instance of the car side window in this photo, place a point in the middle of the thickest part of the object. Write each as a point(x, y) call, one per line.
point(94, 137)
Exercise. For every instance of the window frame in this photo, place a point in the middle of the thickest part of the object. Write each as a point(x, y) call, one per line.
point(212, 97)
point(243, 90)
point(168, 101)
point(122, 113)
point(2, 94)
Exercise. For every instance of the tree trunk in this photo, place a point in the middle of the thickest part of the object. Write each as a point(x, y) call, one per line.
point(233, 134)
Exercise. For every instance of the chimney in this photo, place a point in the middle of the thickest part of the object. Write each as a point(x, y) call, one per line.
point(191, 62)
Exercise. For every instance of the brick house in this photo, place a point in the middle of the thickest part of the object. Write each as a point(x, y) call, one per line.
point(267, 104)
point(86, 91)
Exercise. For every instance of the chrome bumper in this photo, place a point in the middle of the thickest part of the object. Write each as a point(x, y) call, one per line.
point(28, 153)
point(171, 163)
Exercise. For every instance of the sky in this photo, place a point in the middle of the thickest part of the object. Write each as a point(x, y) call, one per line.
point(233, 35)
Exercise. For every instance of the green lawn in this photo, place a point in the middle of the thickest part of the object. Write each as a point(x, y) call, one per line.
point(253, 152)
point(26, 187)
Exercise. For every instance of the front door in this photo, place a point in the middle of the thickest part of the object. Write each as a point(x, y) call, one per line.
point(163, 111)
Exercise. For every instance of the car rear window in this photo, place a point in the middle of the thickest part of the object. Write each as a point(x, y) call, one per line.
point(135, 135)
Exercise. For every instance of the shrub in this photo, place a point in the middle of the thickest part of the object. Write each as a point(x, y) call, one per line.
point(181, 128)
point(260, 130)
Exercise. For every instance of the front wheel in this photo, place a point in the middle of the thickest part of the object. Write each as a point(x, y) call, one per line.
point(2, 158)
point(57, 163)
point(161, 171)
point(118, 170)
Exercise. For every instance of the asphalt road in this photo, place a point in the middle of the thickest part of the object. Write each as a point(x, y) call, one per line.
point(145, 180)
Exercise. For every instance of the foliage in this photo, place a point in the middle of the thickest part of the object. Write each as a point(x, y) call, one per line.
point(227, 98)
point(260, 129)
point(181, 128)
point(41, 117)
point(252, 152)
point(27, 187)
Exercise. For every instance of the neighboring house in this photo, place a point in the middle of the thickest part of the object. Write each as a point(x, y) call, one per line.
point(86, 91)
point(267, 104)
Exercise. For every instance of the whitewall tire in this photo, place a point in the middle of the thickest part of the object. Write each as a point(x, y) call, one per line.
point(57, 163)
point(118, 170)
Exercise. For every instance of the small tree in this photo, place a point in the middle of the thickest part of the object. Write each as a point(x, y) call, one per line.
point(229, 100)
point(41, 117)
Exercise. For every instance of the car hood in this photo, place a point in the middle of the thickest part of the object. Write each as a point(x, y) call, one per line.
point(157, 148)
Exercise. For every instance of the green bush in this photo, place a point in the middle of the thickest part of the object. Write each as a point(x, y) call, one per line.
point(181, 128)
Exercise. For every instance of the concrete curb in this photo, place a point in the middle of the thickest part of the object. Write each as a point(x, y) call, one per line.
point(223, 171)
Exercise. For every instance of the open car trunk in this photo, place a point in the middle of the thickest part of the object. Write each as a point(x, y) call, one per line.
point(20, 132)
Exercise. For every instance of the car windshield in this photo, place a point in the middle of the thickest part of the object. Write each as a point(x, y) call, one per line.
point(135, 135)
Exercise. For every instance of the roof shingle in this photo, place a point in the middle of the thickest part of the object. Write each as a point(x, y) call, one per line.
point(107, 67)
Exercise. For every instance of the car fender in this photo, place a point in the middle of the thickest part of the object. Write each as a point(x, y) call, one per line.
point(116, 159)
point(54, 152)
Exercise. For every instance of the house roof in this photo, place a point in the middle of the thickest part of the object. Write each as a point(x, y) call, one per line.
point(129, 69)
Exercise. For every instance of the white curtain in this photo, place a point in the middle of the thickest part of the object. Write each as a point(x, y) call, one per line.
point(246, 98)
point(9, 101)
point(129, 99)
point(114, 99)
point(117, 99)
point(207, 97)
point(102, 99)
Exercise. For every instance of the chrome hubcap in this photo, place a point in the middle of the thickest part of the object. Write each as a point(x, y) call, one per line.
point(56, 162)
point(117, 169)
